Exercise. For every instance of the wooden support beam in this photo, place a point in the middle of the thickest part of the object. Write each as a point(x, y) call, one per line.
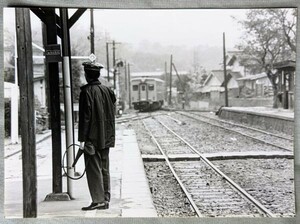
point(39, 13)
point(43, 13)
point(53, 82)
point(25, 71)
point(75, 17)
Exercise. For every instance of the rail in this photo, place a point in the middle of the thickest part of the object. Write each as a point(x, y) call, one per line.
point(238, 132)
point(261, 207)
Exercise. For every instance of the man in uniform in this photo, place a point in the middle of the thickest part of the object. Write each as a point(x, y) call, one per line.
point(97, 126)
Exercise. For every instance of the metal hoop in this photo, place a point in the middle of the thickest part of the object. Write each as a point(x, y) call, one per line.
point(63, 167)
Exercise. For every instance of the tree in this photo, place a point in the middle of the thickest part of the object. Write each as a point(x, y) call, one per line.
point(270, 37)
point(287, 20)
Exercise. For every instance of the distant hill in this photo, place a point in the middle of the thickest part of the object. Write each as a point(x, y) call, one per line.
point(152, 57)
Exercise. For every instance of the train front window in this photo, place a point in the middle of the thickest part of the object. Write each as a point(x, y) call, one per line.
point(135, 87)
point(143, 88)
point(151, 87)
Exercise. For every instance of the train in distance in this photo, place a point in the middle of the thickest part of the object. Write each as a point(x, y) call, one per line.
point(147, 94)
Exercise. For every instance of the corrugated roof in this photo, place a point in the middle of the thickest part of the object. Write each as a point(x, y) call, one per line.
point(253, 77)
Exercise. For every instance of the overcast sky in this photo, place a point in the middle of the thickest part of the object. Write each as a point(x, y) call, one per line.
point(178, 27)
point(167, 27)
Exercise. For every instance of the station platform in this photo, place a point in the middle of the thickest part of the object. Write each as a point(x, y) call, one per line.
point(130, 194)
point(281, 120)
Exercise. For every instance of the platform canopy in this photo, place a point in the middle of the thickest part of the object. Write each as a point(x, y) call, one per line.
point(285, 65)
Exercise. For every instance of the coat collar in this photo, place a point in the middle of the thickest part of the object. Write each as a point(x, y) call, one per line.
point(96, 82)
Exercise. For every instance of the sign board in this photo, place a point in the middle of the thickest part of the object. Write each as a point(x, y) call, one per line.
point(53, 53)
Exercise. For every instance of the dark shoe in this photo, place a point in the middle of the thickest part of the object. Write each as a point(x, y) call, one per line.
point(104, 205)
point(107, 204)
point(94, 206)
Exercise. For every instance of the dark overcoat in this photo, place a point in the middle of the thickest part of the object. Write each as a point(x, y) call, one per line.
point(97, 115)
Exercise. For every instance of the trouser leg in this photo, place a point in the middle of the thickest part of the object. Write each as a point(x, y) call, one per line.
point(95, 177)
point(106, 173)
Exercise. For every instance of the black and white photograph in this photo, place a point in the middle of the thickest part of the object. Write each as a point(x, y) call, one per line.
point(149, 113)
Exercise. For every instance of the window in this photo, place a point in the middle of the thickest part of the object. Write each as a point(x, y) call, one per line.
point(135, 87)
point(143, 88)
point(150, 87)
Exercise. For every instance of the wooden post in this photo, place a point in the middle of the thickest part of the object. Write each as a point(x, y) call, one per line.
point(53, 78)
point(25, 74)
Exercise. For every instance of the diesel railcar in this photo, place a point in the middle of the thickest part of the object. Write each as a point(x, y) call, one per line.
point(147, 93)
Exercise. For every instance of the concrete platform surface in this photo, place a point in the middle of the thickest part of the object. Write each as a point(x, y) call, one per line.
point(130, 194)
point(267, 111)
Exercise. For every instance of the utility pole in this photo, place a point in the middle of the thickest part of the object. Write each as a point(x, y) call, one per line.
point(92, 33)
point(225, 72)
point(107, 61)
point(181, 85)
point(67, 95)
point(170, 96)
point(114, 63)
point(114, 60)
point(25, 73)
point(114, 69)
point(126, 82)
point(129, 86)
point(166, 78)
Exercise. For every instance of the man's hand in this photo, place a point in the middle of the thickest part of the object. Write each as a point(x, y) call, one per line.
point(81, 145)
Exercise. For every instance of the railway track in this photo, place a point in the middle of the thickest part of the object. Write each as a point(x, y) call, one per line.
point(210, 192)
point(135, 117)
point(278, 141)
